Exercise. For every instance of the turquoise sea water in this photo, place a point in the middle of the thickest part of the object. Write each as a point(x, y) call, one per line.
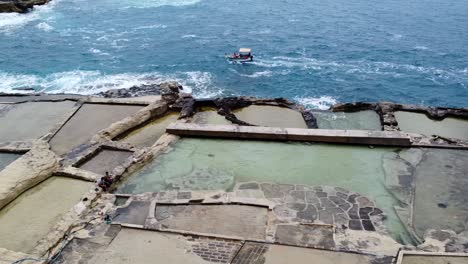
point(314, 52)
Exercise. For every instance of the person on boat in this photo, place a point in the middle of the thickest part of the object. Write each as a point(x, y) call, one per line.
point(234, 56)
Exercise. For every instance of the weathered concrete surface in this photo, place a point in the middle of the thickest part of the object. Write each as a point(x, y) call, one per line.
point(277, 254)
point(147, 135)
point(419, 123)
point(9, 256)
point(135, 213)
point(388, 138)
point(31, 216)
point(209, 115)
point(415, 259)
point(86, 122)
point(316, 236)
point(271, 116)
point(441, 187)
point(133, 246)
point(27, 171)
point(235, 220)
point(32, 120)
point(105, 161)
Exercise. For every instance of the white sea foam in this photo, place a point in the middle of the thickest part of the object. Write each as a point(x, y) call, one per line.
point(44, 26)
point(258, 74)
point(91, 82)
point(189, 36)
point(421, 48)
point(151, 27)
point(10, 22)
point(155, 3)
point(322, 102)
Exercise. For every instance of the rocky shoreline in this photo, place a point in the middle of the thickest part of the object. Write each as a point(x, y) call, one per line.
point(19, 6)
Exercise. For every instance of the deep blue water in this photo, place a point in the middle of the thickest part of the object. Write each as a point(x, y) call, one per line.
point(313, 51)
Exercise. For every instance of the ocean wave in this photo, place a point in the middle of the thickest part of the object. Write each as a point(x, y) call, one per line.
point(11, 22)
point(322, 102)
point(200, 84)
point(155, 3)
point(151, 27)
point(189, 36)
point(258, 74)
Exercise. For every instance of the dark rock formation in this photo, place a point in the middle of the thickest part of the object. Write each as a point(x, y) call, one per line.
point(169, 91)
point(19, 6)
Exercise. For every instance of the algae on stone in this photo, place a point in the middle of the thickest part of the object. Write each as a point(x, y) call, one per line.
point(271, 116)
point(362, 120)
point(147, 135)
point(31, 216)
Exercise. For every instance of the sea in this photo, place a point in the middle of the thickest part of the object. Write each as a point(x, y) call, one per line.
point(315, 52)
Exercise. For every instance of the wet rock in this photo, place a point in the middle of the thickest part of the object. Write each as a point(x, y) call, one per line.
point(19, 6)
point(368, 226)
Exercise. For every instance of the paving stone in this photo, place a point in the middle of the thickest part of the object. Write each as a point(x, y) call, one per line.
point(311, 197)
point(345, 206)
point(296, 206)
point(326, 216)
point(341, 220)
point(271, 190)
point(249, 186)
point(342, 195)
point(367, 224)
point(135, 213)
point(284, 211)
point(300, 187)
point(308, 215)
point(341, 190)
point(376, 211)
point(352, 198)
point(321, 194)
point(353, 212)
point(295, 197)
point(285, 188)
point(355, 225)
point(364, 202)
point(318, 188)
point(337, 200)
point(305, 235)
point(364, 212)
point(325, 202)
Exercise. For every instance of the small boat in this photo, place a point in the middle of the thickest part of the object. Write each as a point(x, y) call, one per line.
point(245, 55)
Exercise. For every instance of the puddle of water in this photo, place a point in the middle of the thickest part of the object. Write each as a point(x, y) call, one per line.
point(201, 164)
point(7, 158)
point(441, 194)
point(209, 115)
point(147, 135)
point(106, 160)
point(421, 124)
point(271, 116)
point(87, 122)
point(25, 121)
point(32, 215)
point(363, 120)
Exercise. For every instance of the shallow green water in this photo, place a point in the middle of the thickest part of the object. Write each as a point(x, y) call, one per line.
point(201, 164)
point(271, 116)
point(209, 115)
point(7, 158)
point(421, 124)
point(148, 135)
point(362, 120)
